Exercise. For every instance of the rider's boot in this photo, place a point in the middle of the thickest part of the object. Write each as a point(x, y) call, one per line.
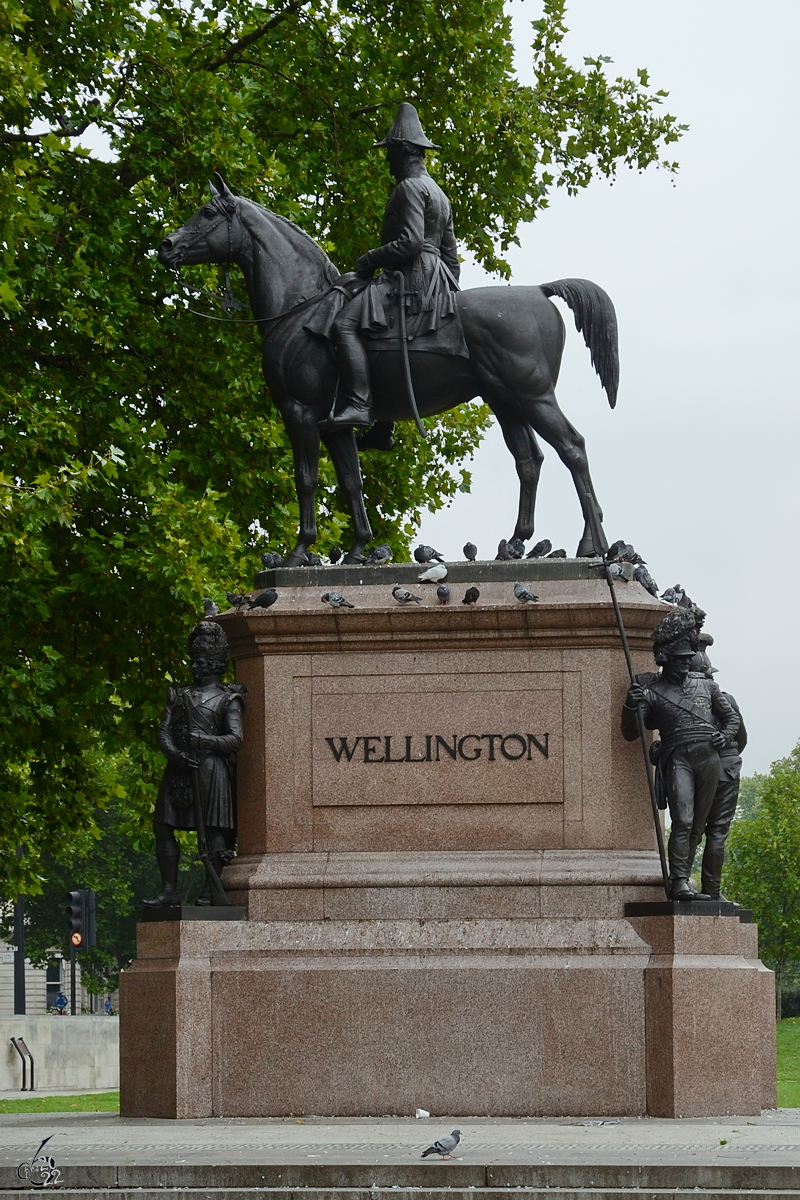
point(353, 398)
point(168, 897)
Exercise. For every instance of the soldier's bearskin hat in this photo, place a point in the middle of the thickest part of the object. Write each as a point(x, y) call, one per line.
point(208, 640)
point(675, 634)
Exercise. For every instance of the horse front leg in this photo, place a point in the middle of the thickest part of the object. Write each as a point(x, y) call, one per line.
point(341, 445)
point(303, 432)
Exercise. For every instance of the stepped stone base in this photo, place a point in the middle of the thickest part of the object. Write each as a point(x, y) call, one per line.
point(440, 828)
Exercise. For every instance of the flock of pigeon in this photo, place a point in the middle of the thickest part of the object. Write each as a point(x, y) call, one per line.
point(612, 563)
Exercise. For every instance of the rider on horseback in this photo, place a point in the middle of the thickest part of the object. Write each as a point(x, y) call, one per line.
point(417, 239)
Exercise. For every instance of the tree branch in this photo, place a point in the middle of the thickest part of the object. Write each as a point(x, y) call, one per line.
point(215, 63)
point(64, 131)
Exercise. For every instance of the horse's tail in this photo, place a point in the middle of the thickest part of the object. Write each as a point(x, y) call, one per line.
point(596, 319)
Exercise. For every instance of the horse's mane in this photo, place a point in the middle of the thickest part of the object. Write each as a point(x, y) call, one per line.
point(328, 272)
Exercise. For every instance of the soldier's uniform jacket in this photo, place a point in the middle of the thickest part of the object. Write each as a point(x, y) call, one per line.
point(216, 710)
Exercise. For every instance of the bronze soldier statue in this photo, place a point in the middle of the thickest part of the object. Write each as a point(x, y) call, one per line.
point(723, 806)
point(200, 732)
point(696, 722)
point(417, 239)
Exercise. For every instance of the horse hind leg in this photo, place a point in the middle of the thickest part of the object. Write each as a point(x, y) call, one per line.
point(521, 441)
point(550, 423)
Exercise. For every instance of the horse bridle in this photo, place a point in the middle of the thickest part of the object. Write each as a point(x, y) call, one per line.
point(227, 301)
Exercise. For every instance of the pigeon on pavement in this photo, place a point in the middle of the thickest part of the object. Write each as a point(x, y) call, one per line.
point(433, 574)
point(210, 609)
point(470, 551)
point(404, 597)
point(425, 554)
point(540, 549)
point(265, 599)
point(471, 596)
point(443, 593)
point(335, 600)
point(524, 595)
point(643, 576)
point(445, 1145)
point(378, 555)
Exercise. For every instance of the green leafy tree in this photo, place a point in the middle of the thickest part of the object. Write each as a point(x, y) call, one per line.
point(762, 868)
point(142, 464)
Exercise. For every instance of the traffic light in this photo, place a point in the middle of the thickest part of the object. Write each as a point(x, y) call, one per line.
point(80, 910)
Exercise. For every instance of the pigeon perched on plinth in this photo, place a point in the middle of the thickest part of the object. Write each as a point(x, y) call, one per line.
point(557, 554)
point(379, 556)
point(311, 560)
point(524, 595)
point(271, 560)
point(443, 593)
point(445, 1145)
point(540, 549)
point(502, 551)
point(402, 596)
point(335, 600)
point(433, 574)
point(673, 595)
point(471, 596)
point(425, 554)
point(235, 600)
point(335, 555)
point(210, 609)
point(265, 599)
point(470, 551)
point(516, 548)
point(643, 576)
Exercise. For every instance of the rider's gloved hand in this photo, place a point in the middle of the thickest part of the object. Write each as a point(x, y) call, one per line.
point(363, 269)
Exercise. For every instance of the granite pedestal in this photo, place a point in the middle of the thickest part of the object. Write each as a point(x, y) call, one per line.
point(440, 826)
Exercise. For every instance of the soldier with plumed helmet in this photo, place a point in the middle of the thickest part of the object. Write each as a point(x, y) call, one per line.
point(695, 721)
point(200, 732)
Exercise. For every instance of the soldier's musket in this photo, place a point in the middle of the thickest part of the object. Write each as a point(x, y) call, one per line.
point(218, 895)
point(642, 731)
point(403, 295)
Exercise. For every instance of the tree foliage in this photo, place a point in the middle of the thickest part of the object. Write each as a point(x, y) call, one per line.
point(762, 868)
point(141, 462)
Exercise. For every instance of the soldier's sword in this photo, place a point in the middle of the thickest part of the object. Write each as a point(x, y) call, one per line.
point(402, 295)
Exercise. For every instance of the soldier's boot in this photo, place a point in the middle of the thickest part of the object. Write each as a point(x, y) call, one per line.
point(353, 398)
point(168, 897)
point(713, 858)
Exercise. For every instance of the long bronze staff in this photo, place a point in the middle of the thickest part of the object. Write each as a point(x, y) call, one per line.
point(642, 732)
point(217, 891)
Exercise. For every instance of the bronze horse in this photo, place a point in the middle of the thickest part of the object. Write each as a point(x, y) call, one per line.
point(515, 338)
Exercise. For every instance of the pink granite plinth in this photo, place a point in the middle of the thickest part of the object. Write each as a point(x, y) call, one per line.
point(440, 825)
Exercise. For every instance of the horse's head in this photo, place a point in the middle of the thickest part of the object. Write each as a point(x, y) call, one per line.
point(212, 234)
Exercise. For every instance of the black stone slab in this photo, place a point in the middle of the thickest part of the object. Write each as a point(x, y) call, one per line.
point(689, 908)
point(196, 912)
point(491, 571)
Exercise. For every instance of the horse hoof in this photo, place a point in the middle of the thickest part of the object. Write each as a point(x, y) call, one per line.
point(296, 559)
point(586, 549)
point(354, 559)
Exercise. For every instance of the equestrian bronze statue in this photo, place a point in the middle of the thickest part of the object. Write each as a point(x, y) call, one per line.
point(339, 351)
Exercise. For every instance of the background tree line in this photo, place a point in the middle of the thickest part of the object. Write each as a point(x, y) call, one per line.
point(141, 462)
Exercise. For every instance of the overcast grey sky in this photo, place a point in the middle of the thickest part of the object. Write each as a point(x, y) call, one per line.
point(697, 466)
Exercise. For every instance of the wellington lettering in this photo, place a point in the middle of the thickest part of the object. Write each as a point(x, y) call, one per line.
point(429, 747)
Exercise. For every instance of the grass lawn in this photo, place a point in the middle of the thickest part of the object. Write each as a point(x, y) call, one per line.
point(789, 1062)
point(102, 1102)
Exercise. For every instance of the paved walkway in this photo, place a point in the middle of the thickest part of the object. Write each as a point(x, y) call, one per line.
point(103, 1139)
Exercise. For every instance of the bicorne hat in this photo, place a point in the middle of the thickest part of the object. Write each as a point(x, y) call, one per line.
point(407, 128)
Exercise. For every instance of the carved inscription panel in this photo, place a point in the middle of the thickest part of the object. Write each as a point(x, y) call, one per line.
point(460, 739)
